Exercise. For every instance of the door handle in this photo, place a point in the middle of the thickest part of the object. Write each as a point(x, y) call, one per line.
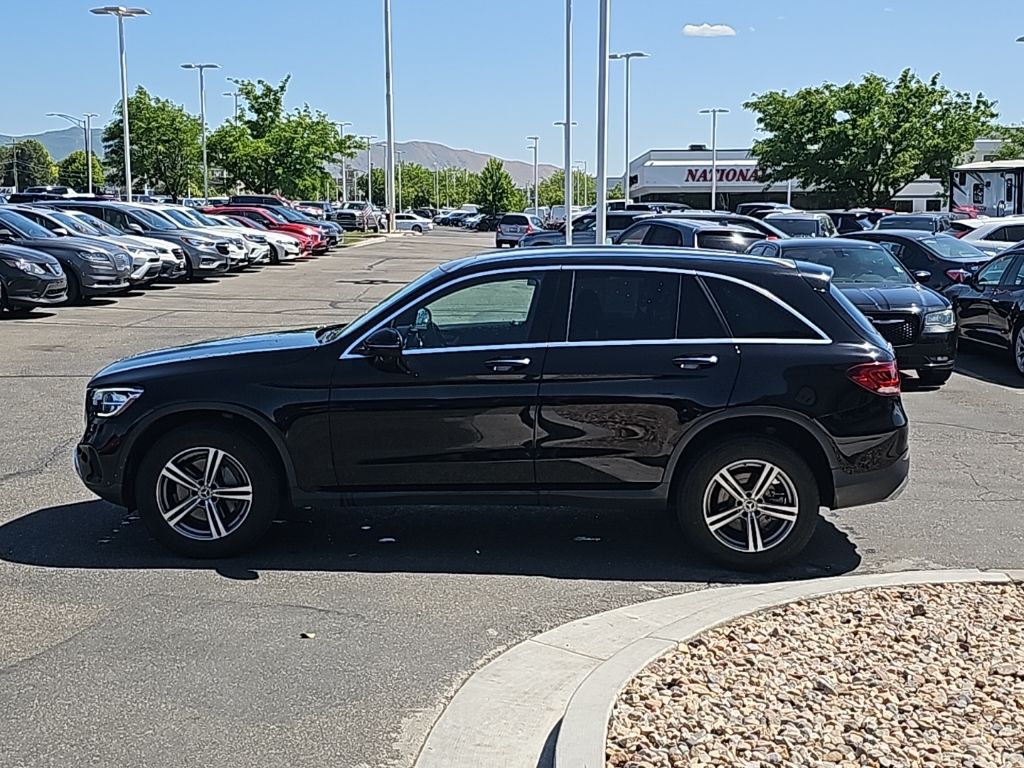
point(505, 365)
point(695, 362)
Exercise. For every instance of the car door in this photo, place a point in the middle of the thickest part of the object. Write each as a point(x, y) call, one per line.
point(638, 355)
point(974, 305)
point(456, 408)
point(1005, 300)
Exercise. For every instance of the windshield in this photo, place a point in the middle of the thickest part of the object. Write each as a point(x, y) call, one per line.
point(23, 226)
point(856, 264)
point(154, 220)
point(292, 216)
point(73, 224)
point(952, 249)
point(204, 219)
point(179, 216)
point(98, 224)
point(796, 227)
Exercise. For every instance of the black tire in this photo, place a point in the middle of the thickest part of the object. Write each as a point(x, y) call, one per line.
point(8, 310)
point(247, 525)
point(790, 537)
point(934, 378)
point(74, 288)
point(1015, 357)
point(190, 271)
point(274, 257)
point(417, 228)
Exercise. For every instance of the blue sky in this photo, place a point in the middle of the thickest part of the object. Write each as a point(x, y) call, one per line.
point(484, 75)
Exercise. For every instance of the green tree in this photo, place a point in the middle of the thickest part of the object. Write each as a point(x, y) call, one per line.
point(496, 192)
point(35, 166)
point(166, 153)
point(73, 172)
point(615, 193)
point(1013, 142)
point(551, 191)
point(379, 190)
point(861, 143)
point(271, 150)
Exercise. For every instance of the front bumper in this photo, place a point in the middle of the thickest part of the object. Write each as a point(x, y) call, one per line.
point(932, 351)
point(145, 272)
point(34, 291)
point(99, 284)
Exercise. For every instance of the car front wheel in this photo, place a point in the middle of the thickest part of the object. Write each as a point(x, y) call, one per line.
point(751, 504)
point(207, 491)
point(1018, 349)
point(417, 228)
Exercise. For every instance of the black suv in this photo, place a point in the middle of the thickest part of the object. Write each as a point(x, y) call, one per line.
point(917, 321)
point(91, 269)
point(741, 393)
point(29, 279)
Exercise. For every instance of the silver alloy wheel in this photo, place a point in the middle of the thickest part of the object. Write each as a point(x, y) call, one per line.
point(751, 505)
point(204, 493)
point(1018, 351)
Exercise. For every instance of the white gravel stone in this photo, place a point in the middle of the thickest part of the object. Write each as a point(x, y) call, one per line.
point(909, 676)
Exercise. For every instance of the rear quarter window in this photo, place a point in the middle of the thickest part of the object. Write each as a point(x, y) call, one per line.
point(752, 315)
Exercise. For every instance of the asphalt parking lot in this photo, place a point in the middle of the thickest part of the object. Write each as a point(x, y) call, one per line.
point(116, 653)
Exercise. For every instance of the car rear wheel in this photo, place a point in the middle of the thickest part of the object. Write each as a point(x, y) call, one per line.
point(207, 491)
point(750, 504)
point(1018, 348)
point(417, 228)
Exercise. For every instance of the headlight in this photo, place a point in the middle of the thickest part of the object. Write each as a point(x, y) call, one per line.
point(110, 402)
point(25, 266)
point(95, 257)
point(942, 321)
point(199, 242)
point(254, 238)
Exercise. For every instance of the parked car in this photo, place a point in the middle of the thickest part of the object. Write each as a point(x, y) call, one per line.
point(916, 320)
point(357, 215)
point(993, 235)
point(584, 229)
point(685, 233)
point(205, 255)
point(759, 209)
point(989, 307)
point(319, 208)
point(936, 260)
point(259, 200)
point(513, 227)
point(744, 394)
point(412, 223)
point(734, 219)
point(91, 270)
point(332, 233)
point(471, 221)
point(426, 213)
point(271, 220)
point(929, 222)
point(51, 189)
point(489, 223)
point(246, 248)
point(28, 279)
point(172, 257)
point(803, 224)
point(850, 221)
point(282, 247)
point(146, 263)
point(454, 218)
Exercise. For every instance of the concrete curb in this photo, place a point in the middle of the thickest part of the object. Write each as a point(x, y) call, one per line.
point(546, 702)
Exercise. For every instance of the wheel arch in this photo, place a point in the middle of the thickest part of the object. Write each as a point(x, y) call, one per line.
point(800, 433)
point(253, 425)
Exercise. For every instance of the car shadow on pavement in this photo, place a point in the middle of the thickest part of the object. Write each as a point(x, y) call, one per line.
point(553, 542)
point(10, 317)
point(991, 366)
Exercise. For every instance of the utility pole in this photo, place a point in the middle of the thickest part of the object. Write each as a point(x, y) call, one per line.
point(344, 177)
point(602, 123)
point(14, 160)
point(399, 153)
point(536, 198)
point(567, 159)
point(437, 189)
point(389, 157)
point(369, 167)
point(202, 119)
point(715, 112)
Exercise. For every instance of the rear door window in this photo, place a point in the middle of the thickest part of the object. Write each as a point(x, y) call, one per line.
point(660, 234)
point(752, 315)
point(698, 318)
point(634, 235)
point(992, 273)
point(733, 242)
point(623, 305)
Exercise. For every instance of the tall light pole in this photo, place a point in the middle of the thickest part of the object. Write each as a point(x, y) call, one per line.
point(344, 177)
point(389, 157)
point(567, 141)
point(202, 119)
point(232, 95)
point(399, 153)
point(437, 189)
point(602, 123)
point(369, 167)
point(714, 112)
point(122, 13)
point(585, 192)
point(86, 126)
point(627, 57)
point(536, 198)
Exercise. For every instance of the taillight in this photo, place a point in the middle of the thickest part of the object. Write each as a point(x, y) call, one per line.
point(881, 378)
point(772, 237)
point(529, 229)
point(958, 275)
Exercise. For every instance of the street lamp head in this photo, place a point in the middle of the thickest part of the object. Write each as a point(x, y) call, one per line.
point(119, 10)
point(715, 111)
point(629, 55)
point(533, 138)
point(200, 66)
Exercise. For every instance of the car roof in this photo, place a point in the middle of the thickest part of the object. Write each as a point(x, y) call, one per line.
point(910, 234)
point(682, 222)
point(811, 242)
point(795, 215)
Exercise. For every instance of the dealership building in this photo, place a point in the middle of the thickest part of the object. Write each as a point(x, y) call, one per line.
point(684, 176)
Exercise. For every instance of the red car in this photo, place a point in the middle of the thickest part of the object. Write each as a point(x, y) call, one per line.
point(271, 220)
point(305, 243)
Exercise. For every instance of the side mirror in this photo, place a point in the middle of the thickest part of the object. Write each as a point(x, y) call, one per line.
point(922, 276)
point(135, 228)
point(60, 231)
point(384, 342)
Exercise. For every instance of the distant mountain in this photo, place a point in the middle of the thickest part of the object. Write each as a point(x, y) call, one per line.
point(62, 143)
point(426, 153)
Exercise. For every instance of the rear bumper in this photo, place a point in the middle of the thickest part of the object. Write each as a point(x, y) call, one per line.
point(929, 352)
point(873, 486)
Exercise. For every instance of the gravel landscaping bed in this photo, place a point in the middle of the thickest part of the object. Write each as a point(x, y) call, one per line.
point(909, 676)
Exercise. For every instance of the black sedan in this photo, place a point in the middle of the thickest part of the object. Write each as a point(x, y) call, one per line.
point(990, 306)
point(29, 279)
point(937, 260)
point(916, 320)
point(741, 393)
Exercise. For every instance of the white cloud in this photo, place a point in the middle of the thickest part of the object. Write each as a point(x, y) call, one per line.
point(708, 30)
point(753, 29)
point(889, 10)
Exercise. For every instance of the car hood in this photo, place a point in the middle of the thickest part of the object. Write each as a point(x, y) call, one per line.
point(892, 298)
point(290, 344)
point(28, 254)
point(72, 243)
point(147, 242)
